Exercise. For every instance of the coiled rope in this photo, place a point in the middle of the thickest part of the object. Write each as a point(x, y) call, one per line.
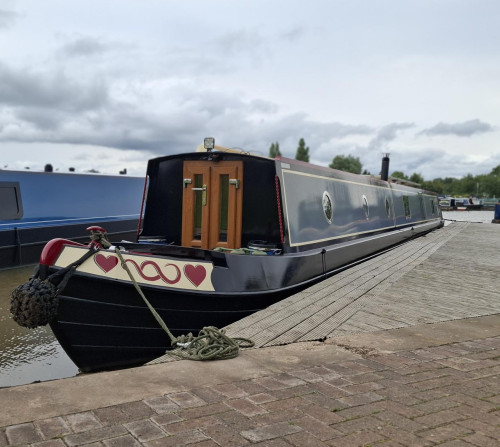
point(210, 344)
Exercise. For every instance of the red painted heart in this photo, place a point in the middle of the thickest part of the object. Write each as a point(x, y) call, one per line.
point(106, 263)
point(195, 274)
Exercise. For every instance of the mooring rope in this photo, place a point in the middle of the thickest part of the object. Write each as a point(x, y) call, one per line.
point(210, 344)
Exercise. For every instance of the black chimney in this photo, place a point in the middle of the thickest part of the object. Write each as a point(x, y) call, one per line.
point(384, 174)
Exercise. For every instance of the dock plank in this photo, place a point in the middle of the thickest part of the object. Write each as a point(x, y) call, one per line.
point(451, 273)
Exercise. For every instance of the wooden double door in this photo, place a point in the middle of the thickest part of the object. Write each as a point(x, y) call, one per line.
point(212, 204)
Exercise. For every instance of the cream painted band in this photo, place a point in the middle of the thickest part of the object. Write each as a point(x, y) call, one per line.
point(147, 270)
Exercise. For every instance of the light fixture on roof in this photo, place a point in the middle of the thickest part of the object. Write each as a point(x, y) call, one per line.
point(209, 144)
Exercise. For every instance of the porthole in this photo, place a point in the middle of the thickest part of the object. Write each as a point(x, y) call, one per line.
point(327, 207)
point(366, 210)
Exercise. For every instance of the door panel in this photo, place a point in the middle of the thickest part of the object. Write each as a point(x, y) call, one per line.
point(212, 204)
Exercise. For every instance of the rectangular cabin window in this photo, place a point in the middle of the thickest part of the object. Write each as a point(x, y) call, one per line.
point(10, 199)
point(406, 205)
point(198, 203)
point(224, 202)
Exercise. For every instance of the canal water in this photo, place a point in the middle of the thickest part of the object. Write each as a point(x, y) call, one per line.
point(27, 355)
point(30, 355)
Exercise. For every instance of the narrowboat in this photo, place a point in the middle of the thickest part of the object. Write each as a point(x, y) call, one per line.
point(39, 206)
point(224, 234)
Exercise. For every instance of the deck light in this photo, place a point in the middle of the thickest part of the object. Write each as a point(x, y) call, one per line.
point(209, 143)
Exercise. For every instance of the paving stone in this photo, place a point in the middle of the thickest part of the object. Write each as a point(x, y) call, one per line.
point(307, 376)
point(184, 438)
point(122, 441)
point(224, 436)
point(22, 434)
point(137, 410)
point(49, 443)
point(319, 429)
point(230, 390)
point(144, 430)
point(445, 433)
point(278, 416)
point(112, 415)
point(361, 399)
point(270, 431)
point(192, 424)
point(304, 439)
point(209, 395)
point(162, 404)
point(250, 387)
point(166, 418)
point(433, 406)
point(439, 418)
point(95, 435)
point(245, 407)
point(480, 440)
point(365, 438)
point(82, 421)
point(205, 410)
point(261, 398)
point(186, 400)
point(358, 424)
point(288, 380)
point(269, 383)
point(53, 427)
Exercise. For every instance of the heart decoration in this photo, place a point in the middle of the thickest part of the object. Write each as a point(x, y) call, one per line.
point(195, 273)
point(106, 263)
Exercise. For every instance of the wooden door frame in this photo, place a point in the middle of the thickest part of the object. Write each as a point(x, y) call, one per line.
point(211, 214)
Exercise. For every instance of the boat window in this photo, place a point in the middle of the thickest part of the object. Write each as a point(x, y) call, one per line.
point(366, 210)
point(198, 203)
point(10, 198)
point(406, 205)
point(387, 207)
point(433, 206)
point(327, 207)
point(224, 201)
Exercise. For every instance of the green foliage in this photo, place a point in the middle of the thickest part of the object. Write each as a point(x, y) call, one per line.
point(302, 151)
point(274, 150)
point(416, 178)
point(399, 174)
point(348, 164)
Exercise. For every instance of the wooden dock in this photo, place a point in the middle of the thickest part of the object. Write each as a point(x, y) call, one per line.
point(451, 273)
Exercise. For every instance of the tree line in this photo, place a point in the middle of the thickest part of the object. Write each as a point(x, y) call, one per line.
point(482, 185)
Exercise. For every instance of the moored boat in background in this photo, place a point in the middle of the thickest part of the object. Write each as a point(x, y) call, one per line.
point(224, 234)
point(39, 206)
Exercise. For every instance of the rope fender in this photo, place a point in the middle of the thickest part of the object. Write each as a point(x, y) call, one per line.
point(35, 302)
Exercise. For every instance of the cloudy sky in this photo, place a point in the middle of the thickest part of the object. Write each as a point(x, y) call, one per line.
point(108, 84)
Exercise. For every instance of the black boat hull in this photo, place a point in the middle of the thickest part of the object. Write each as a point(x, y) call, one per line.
point(104, 324)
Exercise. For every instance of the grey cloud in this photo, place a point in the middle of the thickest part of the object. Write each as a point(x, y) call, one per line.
point(83, 47)
point(386, 134)
point(7, 18)
point(465, 129)
point(55, 91)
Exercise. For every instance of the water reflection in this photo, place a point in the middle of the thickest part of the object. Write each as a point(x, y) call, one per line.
point(27, 355)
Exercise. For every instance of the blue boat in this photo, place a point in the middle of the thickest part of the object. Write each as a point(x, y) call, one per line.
point(36, 207)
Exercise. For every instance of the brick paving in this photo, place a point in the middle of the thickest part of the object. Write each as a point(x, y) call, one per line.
point(444, 395)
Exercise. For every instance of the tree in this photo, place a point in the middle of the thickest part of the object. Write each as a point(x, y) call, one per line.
point(302, 151)
point(416, 178)
point(399, 174)
point(347, 163)
point(274, 150)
